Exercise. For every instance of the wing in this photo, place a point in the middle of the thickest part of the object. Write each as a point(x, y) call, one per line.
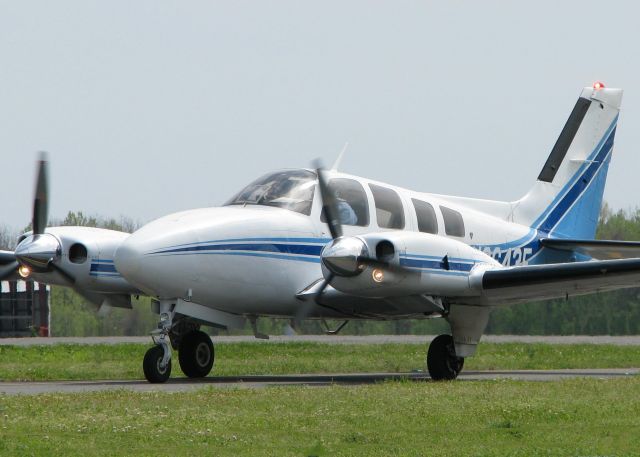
point(597, 249)
point(540, 282)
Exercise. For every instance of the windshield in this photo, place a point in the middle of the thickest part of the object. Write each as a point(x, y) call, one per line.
point(289, 189)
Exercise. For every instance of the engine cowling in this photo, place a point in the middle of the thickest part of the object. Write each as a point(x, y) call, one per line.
point(83, 258)
point(403, 263)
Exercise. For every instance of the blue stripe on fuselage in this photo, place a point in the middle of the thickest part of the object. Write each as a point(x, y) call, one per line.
point(304, 253)
point(302, 249)
point(423, 264)
point(103, 267)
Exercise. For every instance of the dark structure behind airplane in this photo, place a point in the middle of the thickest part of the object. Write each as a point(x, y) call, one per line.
point(24, 309)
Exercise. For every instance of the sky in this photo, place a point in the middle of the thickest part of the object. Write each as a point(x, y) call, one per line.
point(152, 107)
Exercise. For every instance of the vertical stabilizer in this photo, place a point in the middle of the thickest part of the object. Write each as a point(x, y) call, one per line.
point(565, 201)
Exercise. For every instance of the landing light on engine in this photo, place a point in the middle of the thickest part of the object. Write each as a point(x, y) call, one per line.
point(378, 275)
point(24, 271)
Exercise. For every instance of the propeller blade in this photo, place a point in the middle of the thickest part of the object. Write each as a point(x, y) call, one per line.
point(41, 199)
point(7, 257)
point(8, 270)
point(325, 284)
point(329, 203)
point(307, 306)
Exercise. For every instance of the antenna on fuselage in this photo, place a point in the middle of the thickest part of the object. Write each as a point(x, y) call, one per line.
point(336, 164)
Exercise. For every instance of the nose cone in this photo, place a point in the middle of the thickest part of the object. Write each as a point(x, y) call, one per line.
point(341, 257)
point(37, 251)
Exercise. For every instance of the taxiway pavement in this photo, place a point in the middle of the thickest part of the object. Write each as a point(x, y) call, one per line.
point(184, 384)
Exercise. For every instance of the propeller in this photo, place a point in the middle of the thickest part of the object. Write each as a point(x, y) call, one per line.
point(38, 250)
point(329, 202)
point(357, 260)
point(41, 198)
point(9, 269)
point(8, 264)
point(344, 256)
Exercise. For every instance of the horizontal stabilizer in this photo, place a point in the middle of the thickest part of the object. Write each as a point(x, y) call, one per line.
point(597, 249)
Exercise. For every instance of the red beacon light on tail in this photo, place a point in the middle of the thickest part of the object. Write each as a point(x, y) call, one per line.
point(598, 85)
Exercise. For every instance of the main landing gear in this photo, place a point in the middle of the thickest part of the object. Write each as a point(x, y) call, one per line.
point(442, 362)
point(195, 349)
point(196, 354)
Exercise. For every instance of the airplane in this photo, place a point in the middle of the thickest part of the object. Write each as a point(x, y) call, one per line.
point(321, 244)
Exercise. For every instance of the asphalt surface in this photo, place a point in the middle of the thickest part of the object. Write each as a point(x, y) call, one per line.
point(337, 339)
point(183, 384)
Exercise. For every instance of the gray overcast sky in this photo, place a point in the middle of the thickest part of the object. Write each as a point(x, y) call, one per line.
point(150, 107)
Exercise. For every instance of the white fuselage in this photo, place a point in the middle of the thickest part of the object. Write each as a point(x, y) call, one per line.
point(254, 259)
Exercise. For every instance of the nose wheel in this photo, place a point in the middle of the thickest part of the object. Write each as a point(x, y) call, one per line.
point(156, 370)
point(157, 361)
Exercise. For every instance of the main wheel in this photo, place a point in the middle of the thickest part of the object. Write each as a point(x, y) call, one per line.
point(442, 360)
point(151, 366)
point(196, 354)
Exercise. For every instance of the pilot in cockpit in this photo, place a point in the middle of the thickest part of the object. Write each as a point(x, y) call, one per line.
point(346, 214)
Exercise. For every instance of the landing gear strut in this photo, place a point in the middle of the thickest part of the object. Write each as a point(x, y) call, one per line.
point(196, 354)
point(442, 361)
point(157, 360)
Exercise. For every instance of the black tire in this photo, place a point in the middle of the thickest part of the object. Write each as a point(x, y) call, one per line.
point(151, 366)
point(196, 354)
point(442, 362)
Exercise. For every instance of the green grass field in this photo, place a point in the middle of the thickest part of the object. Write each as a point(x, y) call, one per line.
point(586, 417)
point(578, 417)
point(124, 361)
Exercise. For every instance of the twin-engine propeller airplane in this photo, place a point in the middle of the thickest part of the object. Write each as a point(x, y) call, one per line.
point(315, 243)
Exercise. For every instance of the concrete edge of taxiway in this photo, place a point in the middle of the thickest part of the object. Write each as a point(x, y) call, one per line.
point(316, 380)
point(337, 339)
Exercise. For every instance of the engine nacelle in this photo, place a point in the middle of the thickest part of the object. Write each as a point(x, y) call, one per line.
point(86, 254)
point(418, 263)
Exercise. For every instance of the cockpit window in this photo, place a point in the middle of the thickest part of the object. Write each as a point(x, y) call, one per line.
point(289, 189)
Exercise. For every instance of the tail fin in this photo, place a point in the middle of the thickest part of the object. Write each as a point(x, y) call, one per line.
point(565, 200)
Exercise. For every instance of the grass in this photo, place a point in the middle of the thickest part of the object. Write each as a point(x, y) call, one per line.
point(573, 417)
point(123, 361)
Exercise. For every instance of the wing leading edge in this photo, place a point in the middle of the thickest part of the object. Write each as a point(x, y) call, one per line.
point(540, 282)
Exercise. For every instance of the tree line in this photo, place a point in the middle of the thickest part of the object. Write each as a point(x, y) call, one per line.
point(611, 313)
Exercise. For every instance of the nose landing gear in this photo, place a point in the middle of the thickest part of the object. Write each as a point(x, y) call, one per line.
point(195, 349)
point(156, 370)
point(157, 361)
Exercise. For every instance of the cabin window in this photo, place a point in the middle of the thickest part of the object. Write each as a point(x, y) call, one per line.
point(453, 223)
point(389, 210)
point(426, 215)
point(353, 208)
